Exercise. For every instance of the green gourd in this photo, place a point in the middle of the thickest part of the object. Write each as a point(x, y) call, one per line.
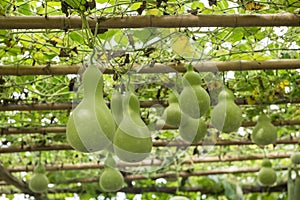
point(132, 140)
point(264, 132)
point(290, 186)
point(193, 130)
point(172, 114)
point(110, 179)
point(194, 101)
point(297, 187)
point(91, 127)
point(267, 175)
point(295, 158)
point(226, 116)
point(39, 181)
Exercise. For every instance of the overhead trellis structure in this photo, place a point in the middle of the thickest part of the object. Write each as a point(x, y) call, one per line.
point(249, 47)
point(226, 20)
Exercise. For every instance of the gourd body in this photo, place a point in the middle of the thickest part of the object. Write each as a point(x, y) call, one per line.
point(91, 127)
point(295, 158)
point(194, 101)
point(172, 114)
point(111, 180)
point(193, 130)
point(39, 181)
point(264, 132)
point(226, 116)
point(132, 140)
point(267, 175)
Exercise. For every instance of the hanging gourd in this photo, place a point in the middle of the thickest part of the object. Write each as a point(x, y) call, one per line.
point(193, 130)
point(295, 158)
point(172, 114)
point(39, 181)
point(267, 175)
point(110, 179)
point(264, 132)
point(194, 101)
point(132, 140)
point(91, 127)
point(226, 116)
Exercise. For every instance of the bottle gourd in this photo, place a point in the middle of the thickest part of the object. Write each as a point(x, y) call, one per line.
point(264, 132)
point(91, 127)
point(226, 116)
point(39, 181)
point(194, 101)
point(267, 175)
point(172, 114)
point(110, 179)
point(132, 140)
point(295, 158)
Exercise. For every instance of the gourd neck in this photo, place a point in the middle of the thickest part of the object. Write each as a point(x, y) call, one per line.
point(109, 161)
point(263, 118)
point(172, 98)
point(225, 95)
point(39, 169)
point(93, 83)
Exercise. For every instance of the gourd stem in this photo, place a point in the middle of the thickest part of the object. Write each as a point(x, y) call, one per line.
point(190, 67)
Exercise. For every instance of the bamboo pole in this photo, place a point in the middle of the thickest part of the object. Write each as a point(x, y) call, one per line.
point(220, 20)
point(170, 175)
point(60, 129)
point(201, 66)
point(83, 166)
point(143, 104)
point(57, 147)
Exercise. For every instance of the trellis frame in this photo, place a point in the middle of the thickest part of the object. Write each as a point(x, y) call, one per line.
point(53, 22)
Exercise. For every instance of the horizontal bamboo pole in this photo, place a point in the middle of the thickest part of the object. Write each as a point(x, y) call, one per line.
point(143, 104)
point(219, 20)
point(207, 159)
point(57, 147)
point(241, 65)
point(60, 129)
point(170, 175)
point(167, 175)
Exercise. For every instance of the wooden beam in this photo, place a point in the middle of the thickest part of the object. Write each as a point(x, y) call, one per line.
point(201, 66)
point(143, 104)
point(62, 129)
point(212, 20)
point(207, 159)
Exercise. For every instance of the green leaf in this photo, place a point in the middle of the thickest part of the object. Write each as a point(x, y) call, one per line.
point(77, 37)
